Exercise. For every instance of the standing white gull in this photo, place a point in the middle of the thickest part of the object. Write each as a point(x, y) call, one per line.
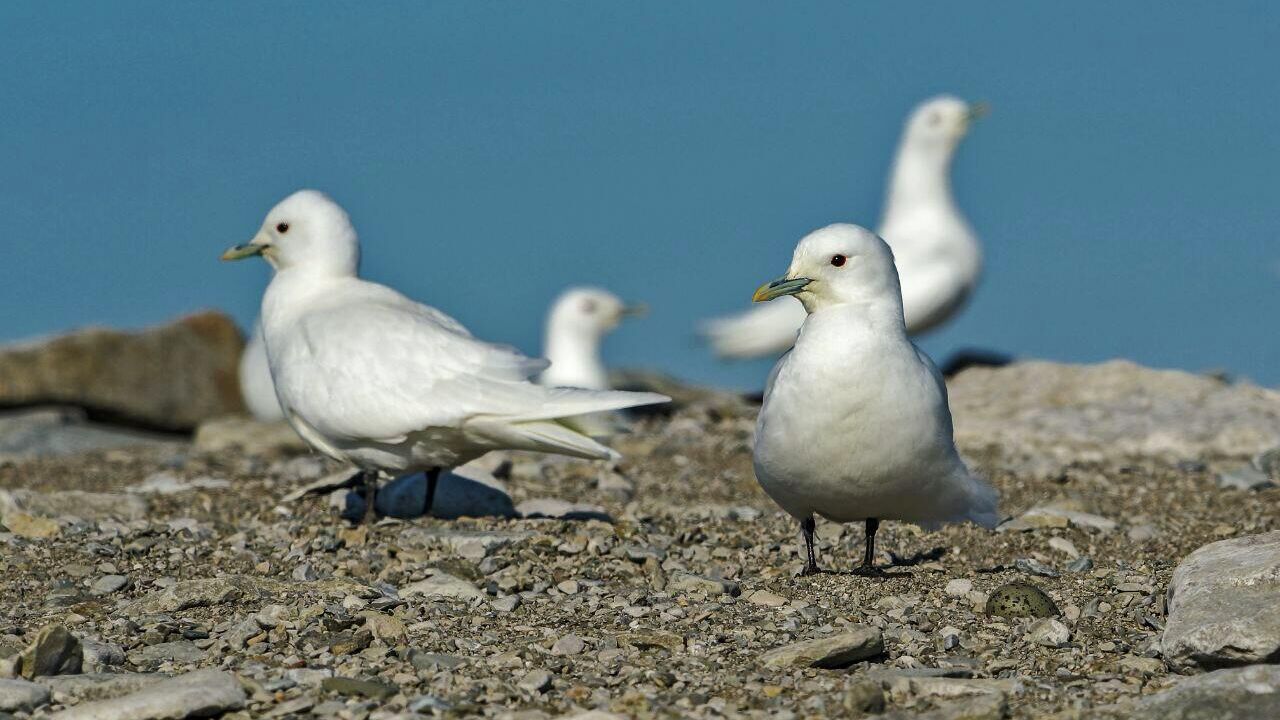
point(855, 423)
point(579, 320)
point(937, 255)
point(370, 377)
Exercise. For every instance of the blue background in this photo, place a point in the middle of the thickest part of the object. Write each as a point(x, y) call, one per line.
point(1125, 186)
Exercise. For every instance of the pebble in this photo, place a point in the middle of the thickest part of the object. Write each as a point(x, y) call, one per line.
point(373, 689)
point(536, 681)
point(1064, 546)
point(568, 645)
point(108, 584)
point(766, 598)
point(1048, 632)
point(959, 587)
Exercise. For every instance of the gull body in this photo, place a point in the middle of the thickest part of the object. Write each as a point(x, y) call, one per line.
point(256, 387)
point(855, 423)
point(577, 323)
point(370, 377)
point(937, 254)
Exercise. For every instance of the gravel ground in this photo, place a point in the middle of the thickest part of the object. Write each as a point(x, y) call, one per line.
point(669, 607)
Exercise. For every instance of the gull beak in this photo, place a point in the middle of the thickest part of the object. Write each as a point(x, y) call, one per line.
point(778, 288)
point(978, 110)
point(256, 246)
point(636, 310)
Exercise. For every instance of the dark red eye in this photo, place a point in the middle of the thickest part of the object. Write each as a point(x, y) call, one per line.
point(588, 306)
point(282, 228)
point(837, 260)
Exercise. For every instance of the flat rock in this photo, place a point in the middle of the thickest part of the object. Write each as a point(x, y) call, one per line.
point(905, 689)
point(21, 696)
point(1040, 417)
point(97, 686)
point(689, 582)
point(979, 707)
point(836, 651)
point(442, 584)
point(73, 503)
point(59, 432)
point(1246, 693)
point(1223, 607)
point(363, 688)
point(151, 657)
point(558, 509)
point(207, 592)
point(172, 377)
point(240, 433)
point(203, 693)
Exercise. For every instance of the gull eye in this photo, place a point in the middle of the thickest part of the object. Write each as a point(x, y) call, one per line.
point(282, 228)
point(588, 306)
point(935, 118)
point(838, 260)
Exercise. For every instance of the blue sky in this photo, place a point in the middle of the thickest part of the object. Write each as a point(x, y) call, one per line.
point(1126, 185)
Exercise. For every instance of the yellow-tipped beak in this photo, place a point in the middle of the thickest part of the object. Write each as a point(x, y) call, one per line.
point(979, 110)
point(240, 252)
point(636, 310)
point(778, 288)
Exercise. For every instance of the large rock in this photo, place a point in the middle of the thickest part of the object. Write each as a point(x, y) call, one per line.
point(1041, 416)
point(1224, 604)
point(836, 651)
point(204, 693)
point(21, 696)
point(74, 503)
point(238, 433)
point(1247, 693)
point(169, 377)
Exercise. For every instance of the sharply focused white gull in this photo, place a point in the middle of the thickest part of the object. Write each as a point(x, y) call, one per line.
point(370, 377)
point(256, 388)
point(577, 323)
point(937, 255)
point(855, 423)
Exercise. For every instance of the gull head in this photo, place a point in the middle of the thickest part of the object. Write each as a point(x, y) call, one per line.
point(941, 123)
point(307, 231)
point(838, 265)
point(589, 312)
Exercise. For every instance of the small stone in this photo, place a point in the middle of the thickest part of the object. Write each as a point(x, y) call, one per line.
point(506, 604)
point(836, 651)
point(434, 661)
point(21, 696)
point(1048, 632)
point(536, 681)
point(568, 587)
point(1035, 567)
point(688, 582)
point(959, 587)
point(1064, 546)
point(1245, 478)
point(1021, 600)
point(151, 657)
point(442, 584)
point(28, 526)
point(1079, 565)
point(304, 573)
point(108, 584)
point(55, 651)
point(568, 645)
point(1142, 533)
point(386, 628)
point(766, 598)
point(364, 688)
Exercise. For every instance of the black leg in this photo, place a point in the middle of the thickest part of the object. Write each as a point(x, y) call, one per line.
point(869, 559)
point(433, 478)
point(371, 496)
point(811, 565)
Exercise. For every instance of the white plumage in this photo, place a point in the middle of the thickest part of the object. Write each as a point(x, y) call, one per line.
point(256, 388)
point(937, 254)
point(577, 323)
point(855, 423)
point(370, 377)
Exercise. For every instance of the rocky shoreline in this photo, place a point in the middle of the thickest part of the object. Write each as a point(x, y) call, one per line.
point(157, 576)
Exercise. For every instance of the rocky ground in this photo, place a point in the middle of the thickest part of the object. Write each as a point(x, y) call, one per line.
point(147, 576)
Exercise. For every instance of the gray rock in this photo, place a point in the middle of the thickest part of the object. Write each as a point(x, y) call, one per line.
point(471, 544)
point(108, 584)
point(204, 693)
point(1247, 693)
point(69, 689)
point(1246, 477)
point(558, 509)
point(98, 656)
point(536, 681)
point(991, 706)
point(906, 688)
point(1035, 567)
point(73, 503)
point(568, 645)
point(58, 432)
point(21, 696)
point(208, 592)
point(836, 651)
point(1222, 604)
point(442, 584)
point(171, 377)
point(1040, 417)
point(689, 582)
point(55, 651)
point(151, 657)
point(364, 688)
point(167, 483)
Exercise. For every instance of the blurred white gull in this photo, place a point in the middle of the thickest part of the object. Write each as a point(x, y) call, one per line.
point(256, 388)
point(937, 255)
point(855, 423)
point(370, 377)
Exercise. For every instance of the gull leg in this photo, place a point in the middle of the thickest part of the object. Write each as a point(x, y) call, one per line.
point(811, 565)
point(370, 496)
point(433, 478)
point(868, 566)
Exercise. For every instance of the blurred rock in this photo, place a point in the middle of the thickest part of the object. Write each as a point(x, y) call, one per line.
point(72, 503)
point(1041, 417)
point(169, 377)
point(836, 651)
point(204, 693)
point(58, 432)
point(1223, 607)
point(55, 651)
point(246, 435)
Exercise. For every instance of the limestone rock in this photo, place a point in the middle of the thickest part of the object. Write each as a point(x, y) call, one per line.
point(1223, 607)
point(204, 693)
point(1244, 693)
point(836, 651)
